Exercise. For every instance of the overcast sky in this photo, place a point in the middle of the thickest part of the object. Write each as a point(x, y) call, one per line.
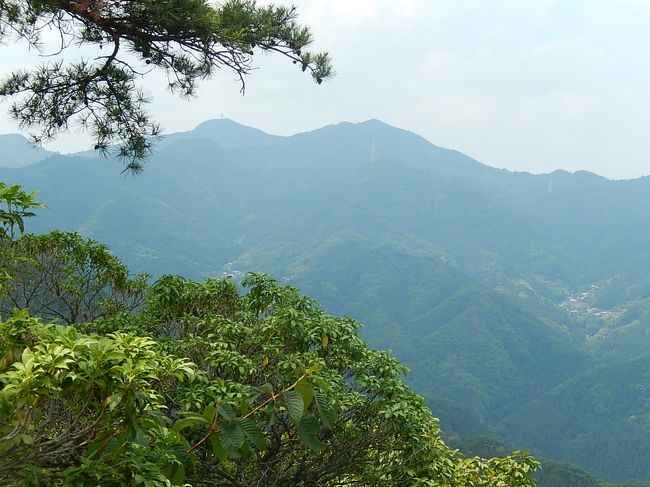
point(531, 85)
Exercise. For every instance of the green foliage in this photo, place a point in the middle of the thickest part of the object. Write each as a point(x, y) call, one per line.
point(606, 405)
point(497, 472)
point(76, 407)
point(324, 405)
point(551, 474)
point(485, 446)
point(16, 205)
point(560, 474)
point(65, 278)
point(235, 390)
point(188, 40)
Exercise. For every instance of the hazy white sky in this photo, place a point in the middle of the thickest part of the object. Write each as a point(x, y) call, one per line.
point(531, 85)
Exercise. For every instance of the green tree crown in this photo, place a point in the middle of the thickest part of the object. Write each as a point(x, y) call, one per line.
point(187, 39)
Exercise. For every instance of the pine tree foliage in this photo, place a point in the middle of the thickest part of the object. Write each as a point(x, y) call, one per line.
point(187, 39)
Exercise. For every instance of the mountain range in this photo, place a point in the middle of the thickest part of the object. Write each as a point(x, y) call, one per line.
point(520, 302)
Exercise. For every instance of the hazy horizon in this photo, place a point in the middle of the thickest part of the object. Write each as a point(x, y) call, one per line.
point(528, 86)
point(72, 152)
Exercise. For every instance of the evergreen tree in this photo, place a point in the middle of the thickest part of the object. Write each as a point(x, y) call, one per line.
point(187, 39)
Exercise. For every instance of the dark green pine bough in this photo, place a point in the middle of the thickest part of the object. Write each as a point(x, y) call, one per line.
point(187, 39)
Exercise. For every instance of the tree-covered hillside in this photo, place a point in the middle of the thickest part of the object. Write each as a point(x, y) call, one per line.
point(594, 419)
point(494, 287)
point(105, 380)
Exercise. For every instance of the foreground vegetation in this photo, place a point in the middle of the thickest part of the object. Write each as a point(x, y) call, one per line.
point(106, 381)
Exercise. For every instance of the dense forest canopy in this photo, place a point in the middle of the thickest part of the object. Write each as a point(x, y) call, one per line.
point(201, 384)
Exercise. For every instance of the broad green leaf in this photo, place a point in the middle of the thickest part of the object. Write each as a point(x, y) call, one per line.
point(27, 439)
point(217, 448)
point(210, 413)
point(295, 405)
point(306, 391)
point(325, 411)
point(253, 433)
point(192, 421)
point(178, 477)
point(115, 444)
point(226, 411)
point(307, 430)
point(314, 368)
point(232, 438)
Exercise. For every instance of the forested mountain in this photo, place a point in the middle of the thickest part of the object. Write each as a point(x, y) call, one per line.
point(594, 419)
point(517, 300)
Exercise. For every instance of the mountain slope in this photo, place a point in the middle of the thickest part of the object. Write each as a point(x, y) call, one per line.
point(462, 269)
point(599, 420)
point(383, 240)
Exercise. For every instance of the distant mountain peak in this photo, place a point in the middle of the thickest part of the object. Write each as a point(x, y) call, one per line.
point(217, 123)
point(375, 122)
point(227, 133)
point(17, 151)
point(581, 175)
point(233, 135)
